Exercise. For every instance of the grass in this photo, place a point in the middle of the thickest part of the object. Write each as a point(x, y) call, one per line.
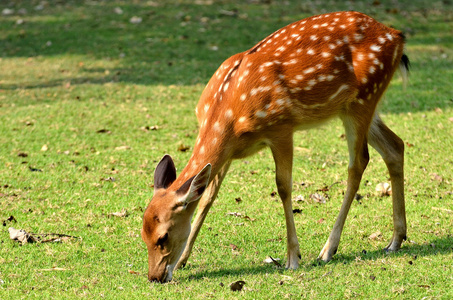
point(82, 90)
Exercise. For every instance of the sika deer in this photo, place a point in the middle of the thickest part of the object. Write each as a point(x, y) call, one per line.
point(299, 77)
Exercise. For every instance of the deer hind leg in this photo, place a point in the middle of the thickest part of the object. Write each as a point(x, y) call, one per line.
point(282, 151)
point(358, 160)
point(204, 205)
point(391, 148)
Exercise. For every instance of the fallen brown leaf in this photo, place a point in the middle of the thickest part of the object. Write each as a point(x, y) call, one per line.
point(104, 131)
point(183, 148)
point(134, 272)
point(384, 189)
point(436, 177)
point(375, 235)
point(237, 285)
point(299, 198)
point(122, 148)
point(121, 214)
point(318, 198)
point(53, 269)
point(233, 247)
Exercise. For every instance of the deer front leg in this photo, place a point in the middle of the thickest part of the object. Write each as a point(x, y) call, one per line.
point(204, 205)
point(283, 157)
point(358, 160)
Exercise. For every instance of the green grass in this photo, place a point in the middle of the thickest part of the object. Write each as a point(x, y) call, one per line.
point(89, 85)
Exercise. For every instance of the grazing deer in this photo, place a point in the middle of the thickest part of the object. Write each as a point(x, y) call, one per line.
point(299, 77)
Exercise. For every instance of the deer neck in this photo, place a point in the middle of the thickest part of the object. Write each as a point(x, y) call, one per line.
point(211, 147)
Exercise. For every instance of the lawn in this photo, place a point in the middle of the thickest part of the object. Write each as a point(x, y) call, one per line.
point(94, 93)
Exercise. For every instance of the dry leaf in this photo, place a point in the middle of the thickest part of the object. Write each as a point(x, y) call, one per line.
point(44, 148)
point(121, 214)
point(10, 219)
point(271, 260)
point(239, 215)
point(183, 148)
point(437, 177)
point(54, 269)
point(122, 148)
point(104, 131)
point(299, 198)
point(136, 20)
point(34, 169)
point(236, 214)
point(18, 235)
point(237, 285)
point(318, 198)
point(375, 236)
point(134, 272)
point(384, 189)
point(111, 179)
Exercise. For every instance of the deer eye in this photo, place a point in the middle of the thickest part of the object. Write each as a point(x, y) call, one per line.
point(162, 240)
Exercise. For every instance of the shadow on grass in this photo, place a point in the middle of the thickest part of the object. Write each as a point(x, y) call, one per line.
point(442, 245)
point(439, 246)
point(178, 42)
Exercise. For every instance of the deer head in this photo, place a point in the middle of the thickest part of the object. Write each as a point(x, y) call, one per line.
point(166, 223)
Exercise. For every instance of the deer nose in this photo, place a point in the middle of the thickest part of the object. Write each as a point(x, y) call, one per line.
point(159, 279)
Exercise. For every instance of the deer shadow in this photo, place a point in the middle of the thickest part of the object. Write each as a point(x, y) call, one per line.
point(442, 245)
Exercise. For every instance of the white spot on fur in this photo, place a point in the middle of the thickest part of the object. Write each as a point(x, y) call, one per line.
point(375, 48)
point(310, 52)
point(217, 127)
point(312, 82)
point(229, 114)
point(309, 70)
point(280, 102)
point(241, 119)
point(358, 37)
point(291, 62)
point(243, 97)
point(261, 114)
point(340, 89)
point(225, 87)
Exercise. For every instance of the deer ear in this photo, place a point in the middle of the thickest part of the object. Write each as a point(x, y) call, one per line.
point(193, 188)
point(165, 173)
